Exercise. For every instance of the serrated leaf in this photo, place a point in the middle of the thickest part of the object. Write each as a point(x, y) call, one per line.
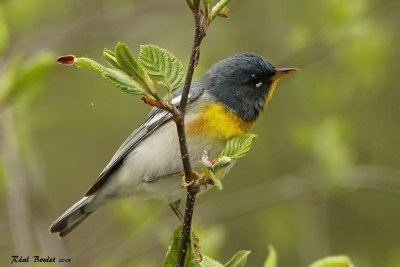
point(172, 254)
point(272, 260)
point(111, 58)
point(130, 66)
point(161, 66)
point(4, 32)
point(117, 78)
point(127, 62)
point(123, 60)
point(208, 262)
point(122, 81)
point(333, 261)
point(239, 259)
point(238, 147)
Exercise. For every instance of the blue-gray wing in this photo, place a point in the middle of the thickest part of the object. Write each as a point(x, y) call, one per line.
point(154, 120)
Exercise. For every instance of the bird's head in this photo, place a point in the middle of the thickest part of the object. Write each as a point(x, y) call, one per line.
point(244, 83)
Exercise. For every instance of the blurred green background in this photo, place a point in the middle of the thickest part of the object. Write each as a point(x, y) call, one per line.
point(323, 178)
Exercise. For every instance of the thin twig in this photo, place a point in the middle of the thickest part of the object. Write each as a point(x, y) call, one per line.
point(201, 24)
point(179, 115)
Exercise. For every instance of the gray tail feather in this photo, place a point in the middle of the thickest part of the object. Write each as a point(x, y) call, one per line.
point(73, 217)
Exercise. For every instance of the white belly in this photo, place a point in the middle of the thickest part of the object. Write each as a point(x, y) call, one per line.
point(145, 170)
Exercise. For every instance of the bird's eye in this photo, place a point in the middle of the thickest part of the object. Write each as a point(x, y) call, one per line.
point(256, 80)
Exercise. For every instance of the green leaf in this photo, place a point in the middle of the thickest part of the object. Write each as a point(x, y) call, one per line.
point(239, 259)
point(111, 58)
point(122, 81)
point(215, 11)
point(333, 261)
point(235, 148)
point(129, 76)
point(208, 262)
point(161, 66)
point(224, 12)
point(272, 260)
point(217, 182)
point(172, 254)
point(131, 67)
point(88, 63)
point(238, 147)
point(209, 175)
point(222, 163)
point(117, 78)
point(127, 63)
point(4, 32)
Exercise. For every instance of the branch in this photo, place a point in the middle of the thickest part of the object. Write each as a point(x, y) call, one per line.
point(179, 114)
point(202, 21)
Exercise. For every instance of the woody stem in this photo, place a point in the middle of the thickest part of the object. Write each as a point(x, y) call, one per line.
point(179, 115)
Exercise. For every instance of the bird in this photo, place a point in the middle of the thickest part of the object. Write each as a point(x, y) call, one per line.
point(223, 103)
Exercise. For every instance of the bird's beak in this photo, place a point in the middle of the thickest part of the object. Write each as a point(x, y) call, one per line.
point(281, 72)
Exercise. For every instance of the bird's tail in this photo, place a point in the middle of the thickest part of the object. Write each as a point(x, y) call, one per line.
point(74, 216)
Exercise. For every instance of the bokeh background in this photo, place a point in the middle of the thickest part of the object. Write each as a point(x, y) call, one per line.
point(323, 178)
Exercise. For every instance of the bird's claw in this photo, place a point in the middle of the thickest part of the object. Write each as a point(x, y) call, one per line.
point(196, 178)
point(187, 184)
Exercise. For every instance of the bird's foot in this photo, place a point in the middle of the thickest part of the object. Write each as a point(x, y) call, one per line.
point(196, 177)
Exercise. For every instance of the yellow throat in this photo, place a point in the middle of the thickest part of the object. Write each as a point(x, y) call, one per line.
point(216, 121)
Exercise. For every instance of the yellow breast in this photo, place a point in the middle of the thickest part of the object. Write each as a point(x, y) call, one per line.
point(216, 121)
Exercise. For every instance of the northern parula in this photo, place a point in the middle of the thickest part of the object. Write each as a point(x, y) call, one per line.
point(223, 103)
